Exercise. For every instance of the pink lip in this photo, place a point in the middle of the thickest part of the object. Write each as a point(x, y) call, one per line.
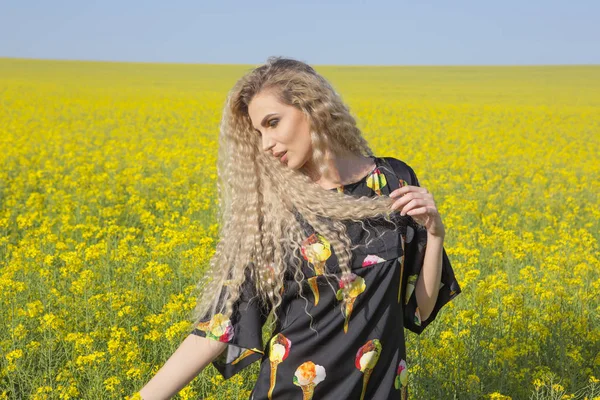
point(284, 157)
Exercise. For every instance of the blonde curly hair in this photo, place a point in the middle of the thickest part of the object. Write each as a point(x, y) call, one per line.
point(260, 198)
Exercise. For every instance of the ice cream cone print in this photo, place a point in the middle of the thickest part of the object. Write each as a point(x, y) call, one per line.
point(308, 391)
point(366, 377)
point(307, 376)
point(376, 181)
point(410, 287)
point(273, 378)
point(353, 285)
point(314, 286)
point(316, 250)
point(279, 348)
point(366, 359)
point(372, 259)
point(349, 308)
point(245, 354)
point(401, 259)
point(401, 380)
point(218, 328)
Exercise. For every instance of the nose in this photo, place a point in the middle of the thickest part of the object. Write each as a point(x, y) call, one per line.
point(267, 142)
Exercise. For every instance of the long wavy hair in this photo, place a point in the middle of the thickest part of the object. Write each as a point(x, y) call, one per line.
point(259, 197)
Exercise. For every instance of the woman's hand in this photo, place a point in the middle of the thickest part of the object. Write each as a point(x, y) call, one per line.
point(417, 202)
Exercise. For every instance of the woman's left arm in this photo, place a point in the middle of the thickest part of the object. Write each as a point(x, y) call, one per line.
point(417, 202)
point(428, 283)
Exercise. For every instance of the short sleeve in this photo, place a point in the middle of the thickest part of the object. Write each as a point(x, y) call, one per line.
point(242, 333)
point(414, 245)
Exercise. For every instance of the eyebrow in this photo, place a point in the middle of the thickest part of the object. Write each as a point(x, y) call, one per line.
point(264, 120)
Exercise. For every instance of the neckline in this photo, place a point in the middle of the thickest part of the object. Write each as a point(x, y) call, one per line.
point(361, 179)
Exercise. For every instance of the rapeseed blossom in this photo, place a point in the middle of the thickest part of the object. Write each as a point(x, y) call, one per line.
point(107, 219)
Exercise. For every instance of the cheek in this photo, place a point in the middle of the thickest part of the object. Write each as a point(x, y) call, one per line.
point(305, 140)
point(305, 148)
point(299, 138)
point(308, 145)
point(301, 148)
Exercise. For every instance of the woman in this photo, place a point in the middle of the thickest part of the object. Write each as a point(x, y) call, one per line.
point(342, 248)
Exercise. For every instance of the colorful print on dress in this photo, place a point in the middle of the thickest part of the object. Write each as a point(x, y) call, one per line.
point(218, 328)
point(246, 353)
point(376, 181)
point(417, 318)
point(401, 381)
point(372, 259)
point(355, 285)
point(453, 288)
point(366, 359)
point(410, 287)
point(279, 349)
point(316, 250)
point(307, 376)
point(402, 182)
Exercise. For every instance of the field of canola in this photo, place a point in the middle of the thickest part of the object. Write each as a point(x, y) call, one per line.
point(107, 201)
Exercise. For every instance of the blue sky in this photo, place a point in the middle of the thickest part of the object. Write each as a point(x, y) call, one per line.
point(347, 32)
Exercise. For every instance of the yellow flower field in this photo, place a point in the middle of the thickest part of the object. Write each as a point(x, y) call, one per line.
point(107, 200)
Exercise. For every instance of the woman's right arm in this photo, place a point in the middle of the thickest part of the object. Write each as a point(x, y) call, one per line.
point(190, 358)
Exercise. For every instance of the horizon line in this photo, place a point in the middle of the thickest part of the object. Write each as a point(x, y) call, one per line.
point(312, 64)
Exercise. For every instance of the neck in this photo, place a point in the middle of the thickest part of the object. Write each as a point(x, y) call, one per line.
point(342, 169)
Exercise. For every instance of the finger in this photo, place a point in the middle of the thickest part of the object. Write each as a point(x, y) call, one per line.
point(419, 211)
point(402, 201)
point(412, 204)
point(407, 189)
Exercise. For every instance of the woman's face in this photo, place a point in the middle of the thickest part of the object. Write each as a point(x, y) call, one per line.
point(285, 130)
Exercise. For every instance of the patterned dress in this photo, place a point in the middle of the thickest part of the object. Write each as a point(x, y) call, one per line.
point(358, 350)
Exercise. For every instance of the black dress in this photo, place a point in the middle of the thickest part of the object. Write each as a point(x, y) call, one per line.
point(358, 351)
